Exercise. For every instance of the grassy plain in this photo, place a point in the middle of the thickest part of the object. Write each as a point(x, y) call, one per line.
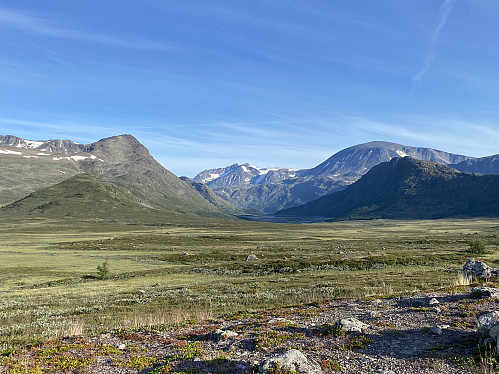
point(197, 268)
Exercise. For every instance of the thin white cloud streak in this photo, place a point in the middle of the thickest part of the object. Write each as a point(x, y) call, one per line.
point(18, 20)
point(445, 10)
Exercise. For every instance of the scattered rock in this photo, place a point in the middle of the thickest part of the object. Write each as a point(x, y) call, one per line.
point(121, 347)
point(482, 292)
point(291, 360)
point(435, 330)
point(486, 322)
point(478, 270)
point(220, 334)
point(351, 325)
point(433, 302)
point(251, 257)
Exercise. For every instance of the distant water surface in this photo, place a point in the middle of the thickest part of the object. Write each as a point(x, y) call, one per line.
point(284, 219)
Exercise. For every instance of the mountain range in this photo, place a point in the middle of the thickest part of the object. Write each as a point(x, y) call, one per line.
point(117, 175)
point(247, 186)
point(406, 188)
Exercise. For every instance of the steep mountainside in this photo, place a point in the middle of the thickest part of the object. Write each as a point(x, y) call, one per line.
point(209, 195)
point(82, 196)
point(121, 160)
point(482, 165)
point(242, 175)
point(301, 186)
point(409, 188)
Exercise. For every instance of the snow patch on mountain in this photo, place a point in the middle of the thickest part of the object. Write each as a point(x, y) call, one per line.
point(75, 158)
point(8, 152)
point(30, 144)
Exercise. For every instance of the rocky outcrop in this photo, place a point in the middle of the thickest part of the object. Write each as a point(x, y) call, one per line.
point(478, 270)
point(488, 325)
point(483, 292)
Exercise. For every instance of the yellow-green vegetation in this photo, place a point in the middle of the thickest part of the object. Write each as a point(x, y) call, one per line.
point(53, 281)
point(273, 338)
point(354, 342)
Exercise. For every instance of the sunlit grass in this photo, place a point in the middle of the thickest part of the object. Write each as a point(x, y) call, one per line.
point(198, 269)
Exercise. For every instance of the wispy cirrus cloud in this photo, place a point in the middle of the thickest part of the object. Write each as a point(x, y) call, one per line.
point(445, 11)
point(15, 19)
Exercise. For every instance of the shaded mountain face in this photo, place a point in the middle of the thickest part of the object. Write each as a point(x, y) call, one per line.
point(295, 187)
point(121, 160)
point(406, 188)
point(482, 165)
point(210, 196)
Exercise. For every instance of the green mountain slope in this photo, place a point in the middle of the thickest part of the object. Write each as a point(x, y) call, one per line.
point(82, 197)
point(409, 188)
point(27, 166)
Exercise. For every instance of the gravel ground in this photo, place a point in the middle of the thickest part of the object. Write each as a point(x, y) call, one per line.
point(409, 334)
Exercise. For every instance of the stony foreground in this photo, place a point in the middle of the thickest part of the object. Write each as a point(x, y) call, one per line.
point(421, 333)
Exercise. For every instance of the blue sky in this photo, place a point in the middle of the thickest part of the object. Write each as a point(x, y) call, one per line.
point(287, 83)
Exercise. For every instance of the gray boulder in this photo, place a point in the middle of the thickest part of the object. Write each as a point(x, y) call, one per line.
point(220, 334)
point(351, 325)
point(292, 360)
point(494, 332)
point(251, 257)
point(478, 270)
point(483, 292)
point(486, 322)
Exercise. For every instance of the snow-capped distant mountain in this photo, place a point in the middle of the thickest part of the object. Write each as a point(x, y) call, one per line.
point(243, 175)
point(53, 146)
point(248, 187)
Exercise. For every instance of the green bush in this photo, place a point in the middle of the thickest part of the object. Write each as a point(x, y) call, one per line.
point(103, 270)
point(477, 246)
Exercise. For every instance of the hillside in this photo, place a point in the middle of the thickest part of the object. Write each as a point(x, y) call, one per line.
point(409, 188)
point(28, 165)
point(84, 197)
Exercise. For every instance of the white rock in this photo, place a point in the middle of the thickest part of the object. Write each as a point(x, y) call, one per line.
point(291, 360)
point(433, 302)
point(351, 324)
point(220, 334)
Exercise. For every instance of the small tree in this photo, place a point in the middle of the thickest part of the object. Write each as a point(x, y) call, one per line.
point(477, 246)
point(103, 270)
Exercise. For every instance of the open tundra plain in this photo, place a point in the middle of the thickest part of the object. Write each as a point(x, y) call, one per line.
point(87, 281)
